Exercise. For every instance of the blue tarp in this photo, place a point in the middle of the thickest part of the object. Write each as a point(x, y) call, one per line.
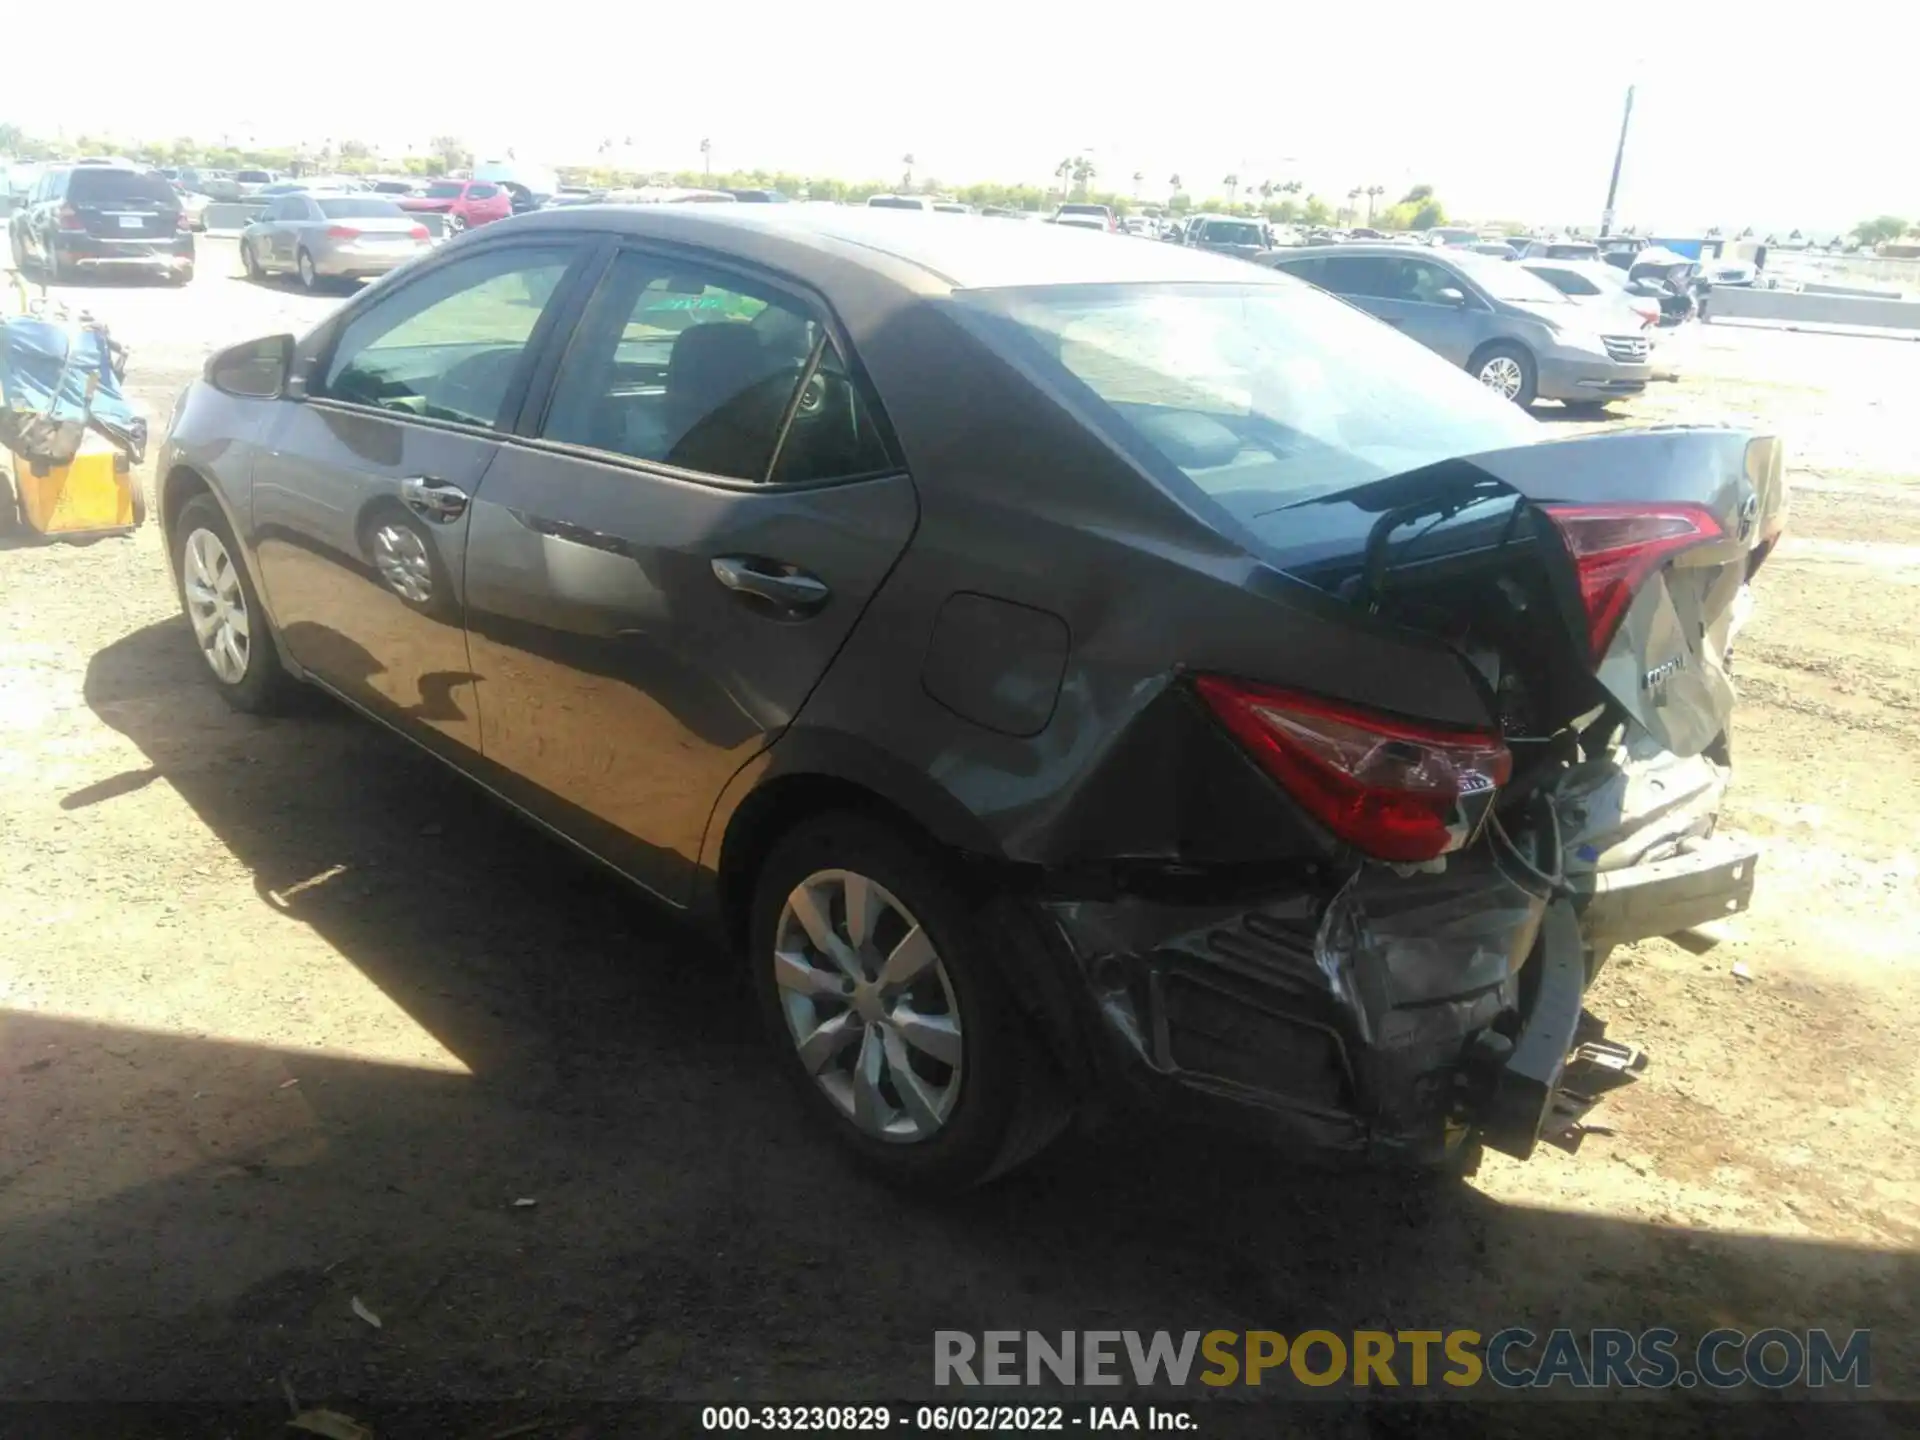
point(46, 369)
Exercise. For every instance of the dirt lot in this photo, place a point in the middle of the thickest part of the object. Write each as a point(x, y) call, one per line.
point(290, 1017)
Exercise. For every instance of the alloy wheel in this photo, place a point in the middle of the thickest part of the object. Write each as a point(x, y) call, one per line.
point(401, 558)
point(309, 277)
point(869, 1006)
point(1502, 375)
point(216, 605)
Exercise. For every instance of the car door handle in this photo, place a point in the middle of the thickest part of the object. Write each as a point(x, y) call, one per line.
point(785, 586)
point(436, 499)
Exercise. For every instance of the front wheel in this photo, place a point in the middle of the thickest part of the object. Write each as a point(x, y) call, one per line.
point(250, 262)
point(455, 224)
point(1506, 369)
point(224, 611)
point(877, 981)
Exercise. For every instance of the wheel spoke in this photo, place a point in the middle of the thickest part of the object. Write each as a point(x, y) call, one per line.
point(807, 909)
point(915, 1098)
point(863, 908)
point(869, 1105)
point(935, 1035)
point(829, 1038)
point(791, 970)
point(236, 657)
point(908, 960)
point(237, 621)
point(205, 618)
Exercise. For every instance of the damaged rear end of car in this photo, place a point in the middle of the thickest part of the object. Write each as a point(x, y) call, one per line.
point(1459, 728)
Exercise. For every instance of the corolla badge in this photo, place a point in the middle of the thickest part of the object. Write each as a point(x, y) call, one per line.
point(1654, 682)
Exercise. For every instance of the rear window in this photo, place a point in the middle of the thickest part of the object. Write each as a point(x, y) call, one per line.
point(1261, 395)
point(358, 209)
point(1099, 210)
point(99, 185)
point(894, 202)
point(253, 177)
point(483, 192)
point(1234, 232)
point(443, 190)
point(1567, 282)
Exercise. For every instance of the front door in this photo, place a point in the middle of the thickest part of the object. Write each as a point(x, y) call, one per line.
point(656, 581)
point(362, 493)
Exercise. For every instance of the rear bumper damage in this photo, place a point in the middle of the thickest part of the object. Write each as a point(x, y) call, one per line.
point(1378, 1022)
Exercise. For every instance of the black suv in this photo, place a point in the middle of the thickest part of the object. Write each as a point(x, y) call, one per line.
point(99, 216)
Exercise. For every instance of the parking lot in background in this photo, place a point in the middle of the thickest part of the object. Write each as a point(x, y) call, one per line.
point(291, 1018)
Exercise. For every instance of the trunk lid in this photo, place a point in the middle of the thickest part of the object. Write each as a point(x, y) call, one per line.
point(1485, 552)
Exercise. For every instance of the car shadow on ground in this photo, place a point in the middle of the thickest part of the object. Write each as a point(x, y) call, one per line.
point(211, 1210)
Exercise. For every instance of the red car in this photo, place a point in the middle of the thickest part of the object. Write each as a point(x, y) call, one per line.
point(463, 202)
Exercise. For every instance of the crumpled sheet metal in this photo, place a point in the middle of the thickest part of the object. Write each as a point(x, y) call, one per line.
point(1636, 804)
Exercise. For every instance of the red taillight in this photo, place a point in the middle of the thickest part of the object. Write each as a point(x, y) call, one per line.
point(1393, 789)
point(70, 219)
point(419, 232)
point(342, 232)
point(1616, 547)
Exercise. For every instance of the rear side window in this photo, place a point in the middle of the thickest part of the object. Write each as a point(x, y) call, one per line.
point(482, 192)
point(691, 366)
point(1366, 275)
point(449, 345)
point(98, 185)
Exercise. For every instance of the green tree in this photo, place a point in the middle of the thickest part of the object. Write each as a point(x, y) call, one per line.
point(1316, 211)
point(1179, 202)
point(1417, 195)
point(450, 152)
point(12, 138)
point(1879, 230)
point(1083, 173)
point(1428, 214)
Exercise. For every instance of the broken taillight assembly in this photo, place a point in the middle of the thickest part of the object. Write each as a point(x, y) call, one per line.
point(1616, 547)
point(1394, 789)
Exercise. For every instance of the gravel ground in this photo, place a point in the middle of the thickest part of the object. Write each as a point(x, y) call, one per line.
point(290, 1017)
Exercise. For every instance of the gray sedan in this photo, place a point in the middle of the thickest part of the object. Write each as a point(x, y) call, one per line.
point(1505, 326)
point(331, 237)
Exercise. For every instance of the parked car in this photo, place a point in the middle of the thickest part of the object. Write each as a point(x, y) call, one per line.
point(96, 217)
point(1596, 283)
point(1452, 237)
point(1498, 249)
point(758, 197)
point(1226, 235)
point(952, 207)
point(1560, 250)
point(900, 202)
point(321, 237)
point(1081, 222)
point(1060, 669)
point(465, 203)
point(1103, 213)
point(1511, 330)
point(252, 182)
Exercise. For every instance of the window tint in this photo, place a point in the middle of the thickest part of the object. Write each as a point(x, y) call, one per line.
point(1421, 281)
point(1567, 282)
point(358, 209)
point(447, 346)
point(482, 192)
point(1372, 276)
point(694, 367)
point(120, 187)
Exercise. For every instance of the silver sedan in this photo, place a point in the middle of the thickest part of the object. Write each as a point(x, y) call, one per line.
point(331, 237)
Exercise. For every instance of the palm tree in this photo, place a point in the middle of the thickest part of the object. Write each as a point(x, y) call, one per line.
point(906, 180)
point(1083, 173)
point(706, 155)
point(1174, 183)
point(1374, 192)
point(1232, 182)
point(1063, 172)
point(1266, 192)
point(1138, 176)
point(1353, 202)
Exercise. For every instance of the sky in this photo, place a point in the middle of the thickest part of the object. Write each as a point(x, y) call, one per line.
point(1508, 112)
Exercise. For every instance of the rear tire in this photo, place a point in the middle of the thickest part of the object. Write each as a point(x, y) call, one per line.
point(309, 275)
point(214, 584)
point(1508, 370)
point(963, 1123)
point(250, 262)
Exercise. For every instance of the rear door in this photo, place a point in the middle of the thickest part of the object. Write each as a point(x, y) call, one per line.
point(663, 567)
point(361, 494)
point(117, 204)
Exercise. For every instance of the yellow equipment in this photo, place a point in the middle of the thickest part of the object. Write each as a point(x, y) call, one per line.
point(94, 494)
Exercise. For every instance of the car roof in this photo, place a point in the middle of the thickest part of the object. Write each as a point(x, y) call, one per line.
point(961, 252)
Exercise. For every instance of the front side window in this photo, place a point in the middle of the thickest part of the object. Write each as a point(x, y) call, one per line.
point(692, 366)
point(1423, 283)
point(449, 345)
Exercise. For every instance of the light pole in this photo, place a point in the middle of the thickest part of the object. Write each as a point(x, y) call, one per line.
point(706, 157)
point(1619, 154)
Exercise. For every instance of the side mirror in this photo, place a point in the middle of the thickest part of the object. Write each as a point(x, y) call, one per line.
point(254, 370)
point(1451, 296)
